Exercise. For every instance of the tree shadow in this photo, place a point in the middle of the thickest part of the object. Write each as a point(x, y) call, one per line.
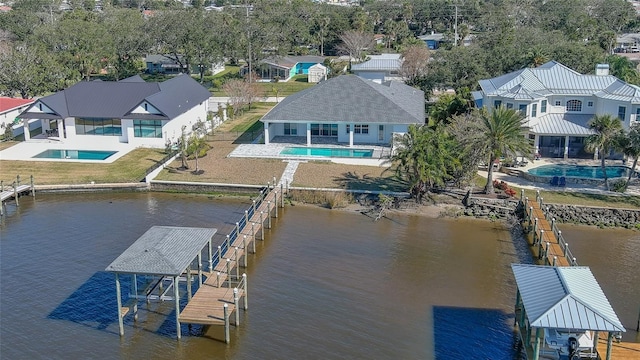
point(352, 180)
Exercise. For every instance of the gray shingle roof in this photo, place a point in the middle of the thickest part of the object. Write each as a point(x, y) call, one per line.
point(562, 124)
point(555, 78)
point(348, 99)
point(111, 99)
point(162, 250)
point(564, 298)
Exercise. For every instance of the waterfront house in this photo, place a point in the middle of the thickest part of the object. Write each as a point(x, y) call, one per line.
point(10, 108)
point(379, 68)
point(558, 104)
point(285, 67)
point(132, 111)
point(347, 109)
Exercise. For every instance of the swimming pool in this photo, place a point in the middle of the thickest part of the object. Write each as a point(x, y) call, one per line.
point(327, 152)
point(75, 154)
point(579, 171)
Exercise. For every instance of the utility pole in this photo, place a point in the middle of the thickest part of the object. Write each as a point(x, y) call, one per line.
point(455, 28)
point(248, 41)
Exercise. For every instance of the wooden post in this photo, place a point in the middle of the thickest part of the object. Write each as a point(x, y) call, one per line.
point(33, 188)
point(261, 225)
point(555, 260)
point(176, 292)
point(540, 250)
point(237, 264)
point(246, 217)
point(220, 251)
point(237, 231)
point(244, 246)
point(253, 238)
point(226, 322)
point(541, 235)
point(553, 224)
point(246, 300)
point(269, 212)
point(536, 347)
point(281, 195)
point(546, 251)
point(521, 194)
point(596, 337)
point(18, 180)
point(119, 299)
point(609, 344)
point(188, 283)
point(229, 272)
point(134, 286)
point(566, 249)
point(535, 229)
point(199, 269)
point(210, 256)
point(218, 278)
point(236, 303)
point(15, 193)
point(275, 202)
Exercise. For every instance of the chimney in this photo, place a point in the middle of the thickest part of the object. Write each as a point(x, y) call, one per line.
point(602, 69)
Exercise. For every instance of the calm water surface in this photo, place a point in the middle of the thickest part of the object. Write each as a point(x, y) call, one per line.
point(326, 284)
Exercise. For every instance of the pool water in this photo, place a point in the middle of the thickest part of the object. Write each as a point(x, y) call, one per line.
point(580, 171)
point(75, 154)
point(327, 152)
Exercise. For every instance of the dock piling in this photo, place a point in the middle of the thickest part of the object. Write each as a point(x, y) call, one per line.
point(246, 300)
point(269, 212)
point(261, 225)
point(275, 202)
point(236, 303)
point(226, 323)
point(33, 188)
point(15, 193)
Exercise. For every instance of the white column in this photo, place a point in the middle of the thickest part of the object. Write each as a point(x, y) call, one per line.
point(176, 294)
point(61, 133)
point(266, 133)
point(537, 143)
point(308, 134)
point(351, 126)
point(25, 128)
point(119, 300)
point(566, 147)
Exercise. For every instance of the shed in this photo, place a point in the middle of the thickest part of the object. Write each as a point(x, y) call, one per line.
point(317, 73)
point(567, 308)
point(162, 251)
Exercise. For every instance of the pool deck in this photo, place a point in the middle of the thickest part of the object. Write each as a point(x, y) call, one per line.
point(25, 151)
point(272, 151)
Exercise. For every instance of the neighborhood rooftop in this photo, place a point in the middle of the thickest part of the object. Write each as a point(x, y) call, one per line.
point(352, 99)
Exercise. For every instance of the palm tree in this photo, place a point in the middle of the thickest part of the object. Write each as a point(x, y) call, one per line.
point(423, 158)
point(607, 130)
point(629, 143)
point(504, 134)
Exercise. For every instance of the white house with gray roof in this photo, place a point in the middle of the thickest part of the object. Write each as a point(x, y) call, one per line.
point(559, 103)
point(132, 111)
point(347, 109)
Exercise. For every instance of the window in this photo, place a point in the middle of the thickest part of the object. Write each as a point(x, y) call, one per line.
point(534, 110)
point(543, 107)
point(509, 106)
point(523, 109)
point(558, 103)
point(147, 128)
point(590, 104)
point(95, 126)
point(348, 128)
point(497, 103)
point(361, 129)
point(290, 129)
point(574, 105)
point(622, 112)
point(324, 129)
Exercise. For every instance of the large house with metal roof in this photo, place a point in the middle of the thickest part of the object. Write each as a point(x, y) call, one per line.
point(379, 68)
point(559, 102)
point(347, 109)
point(129, 111)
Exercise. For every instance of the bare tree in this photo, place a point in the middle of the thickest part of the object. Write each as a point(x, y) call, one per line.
point(354, 43)
point(415, 62)
point(241, 93)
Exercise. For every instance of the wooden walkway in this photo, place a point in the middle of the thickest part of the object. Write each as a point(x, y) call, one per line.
point(219, 296)
point(14, 192)
point(546, 241)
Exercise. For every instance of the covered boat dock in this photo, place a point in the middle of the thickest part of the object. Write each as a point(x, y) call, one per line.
point(562, 311)
point(165, 253)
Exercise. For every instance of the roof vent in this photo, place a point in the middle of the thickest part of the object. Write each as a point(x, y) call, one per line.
point(602, 69)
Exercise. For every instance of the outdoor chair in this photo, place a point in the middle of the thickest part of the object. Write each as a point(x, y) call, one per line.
point(554, 181)
point(562, 181)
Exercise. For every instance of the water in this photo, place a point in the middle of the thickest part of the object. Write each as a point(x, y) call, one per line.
point(340, 286)
point(75, 154)
point(580, 171)
point(327, 152)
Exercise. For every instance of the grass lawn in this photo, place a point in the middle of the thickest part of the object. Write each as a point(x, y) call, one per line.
point(130, 168)
point(341, 176)
point(269, 89)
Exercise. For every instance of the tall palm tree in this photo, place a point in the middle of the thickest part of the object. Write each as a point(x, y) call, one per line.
point(607, 130)
point(504, 134)
point(630, 146)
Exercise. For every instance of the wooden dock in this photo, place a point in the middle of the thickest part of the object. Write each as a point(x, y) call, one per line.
point(218, 297)
point(14, 191)
point(549, 246)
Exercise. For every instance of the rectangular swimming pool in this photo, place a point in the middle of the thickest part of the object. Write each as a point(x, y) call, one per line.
point(75, 154)
point(327, 152)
